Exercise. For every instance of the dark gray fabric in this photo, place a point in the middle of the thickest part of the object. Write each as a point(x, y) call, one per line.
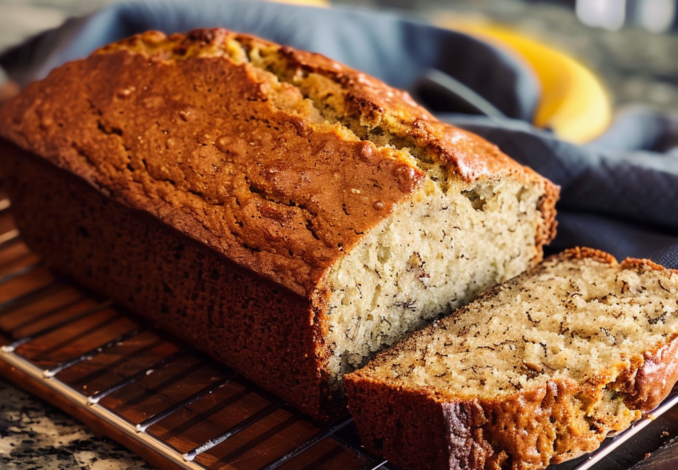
point(387, 46)
point(638, 129)
point(619, 194)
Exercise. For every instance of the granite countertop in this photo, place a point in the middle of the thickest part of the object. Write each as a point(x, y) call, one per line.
point(639, 68)
point(36, 436)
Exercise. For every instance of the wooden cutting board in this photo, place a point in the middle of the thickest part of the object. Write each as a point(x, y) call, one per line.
point(163, 400)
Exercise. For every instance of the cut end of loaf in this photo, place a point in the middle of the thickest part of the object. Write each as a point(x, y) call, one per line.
point(427, 259)
point(567, 353)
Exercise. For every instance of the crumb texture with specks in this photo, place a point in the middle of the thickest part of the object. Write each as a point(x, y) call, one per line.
point(536, 371)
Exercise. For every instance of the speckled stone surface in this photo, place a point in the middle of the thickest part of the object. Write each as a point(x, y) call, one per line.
point(36, 436)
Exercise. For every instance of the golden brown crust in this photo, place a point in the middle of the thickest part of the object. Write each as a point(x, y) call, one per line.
point(186, 129)
point(421, 440)
point(228, 183)
point(580, 252)
point(658, 369)
point(654, 379)
point(463, 153)
point(528, 430)
point(642, 264)
point(267, 333)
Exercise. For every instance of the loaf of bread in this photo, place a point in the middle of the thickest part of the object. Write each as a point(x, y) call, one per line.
point(282, 212)
point(535, 371)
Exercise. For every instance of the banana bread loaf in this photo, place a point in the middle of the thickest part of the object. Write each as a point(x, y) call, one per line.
point(284, 213)
point(535, 371)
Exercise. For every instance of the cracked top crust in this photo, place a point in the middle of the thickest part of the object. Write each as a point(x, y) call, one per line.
point(277, 158)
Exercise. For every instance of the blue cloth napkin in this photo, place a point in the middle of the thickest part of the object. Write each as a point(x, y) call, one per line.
point(619, 193)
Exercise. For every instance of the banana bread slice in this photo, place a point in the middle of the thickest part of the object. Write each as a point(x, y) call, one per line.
point(535, 371)
point(286, 214)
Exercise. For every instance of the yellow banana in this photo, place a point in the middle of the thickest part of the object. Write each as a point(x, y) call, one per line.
point(573, 102)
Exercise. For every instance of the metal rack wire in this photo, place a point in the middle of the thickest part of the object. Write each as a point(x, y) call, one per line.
point(157, 391)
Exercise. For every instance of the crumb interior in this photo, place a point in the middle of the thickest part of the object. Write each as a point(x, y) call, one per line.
point(426, 260)
point(574, 319)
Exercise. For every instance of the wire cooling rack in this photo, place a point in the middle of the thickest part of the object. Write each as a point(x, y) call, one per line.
point(168, 402)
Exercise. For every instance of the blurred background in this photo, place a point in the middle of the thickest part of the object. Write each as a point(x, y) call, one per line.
point(592, 57)
point(632, 45)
